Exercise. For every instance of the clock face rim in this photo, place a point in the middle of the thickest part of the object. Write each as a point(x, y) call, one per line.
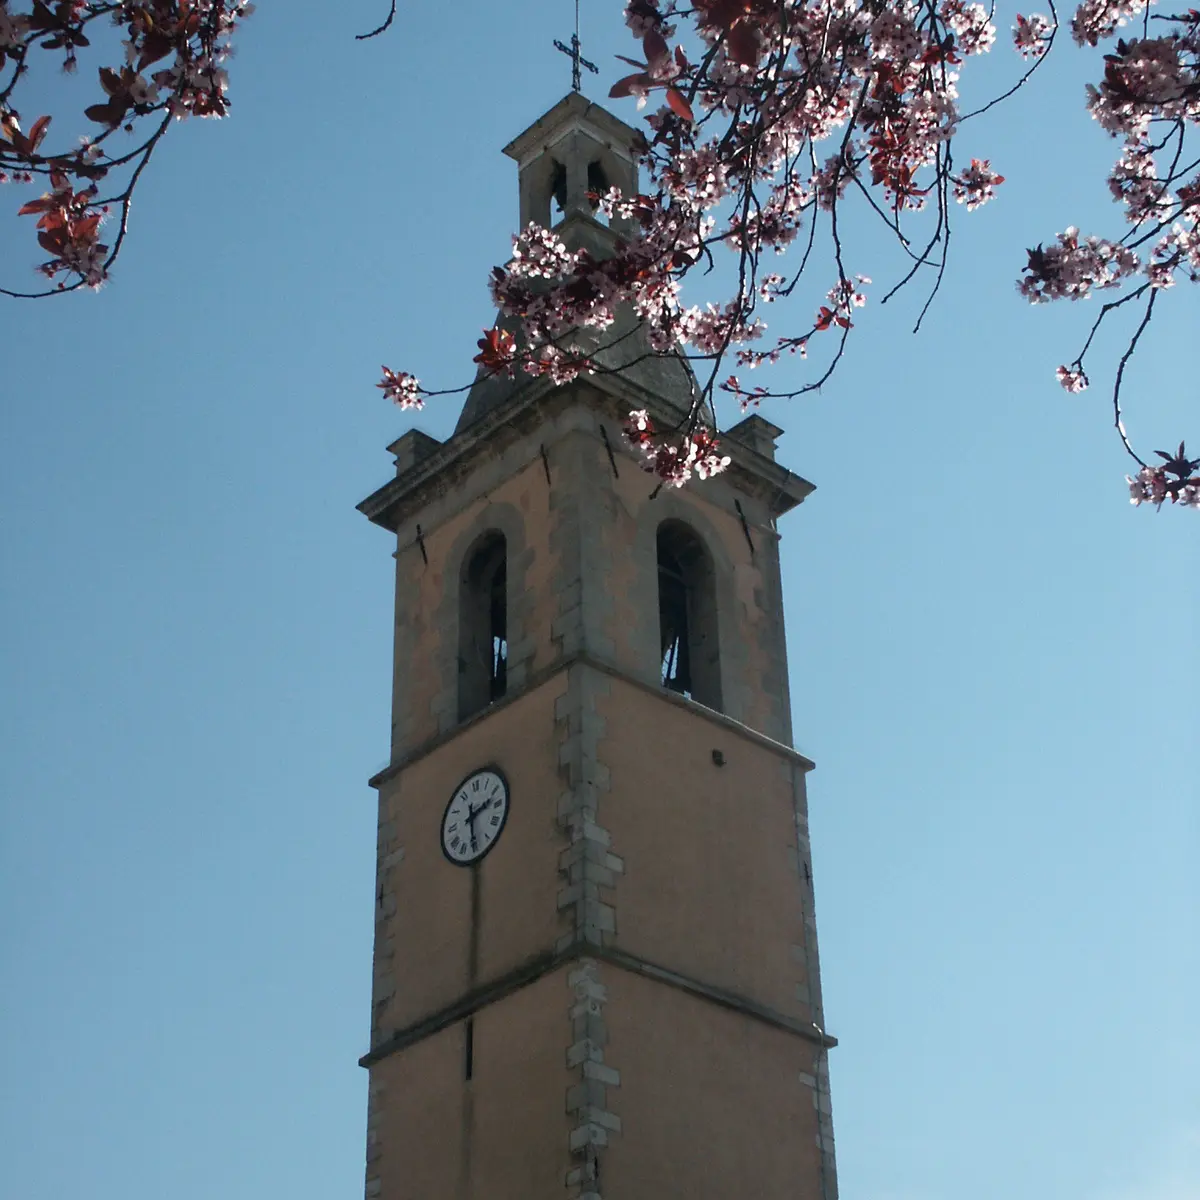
point(487, 769)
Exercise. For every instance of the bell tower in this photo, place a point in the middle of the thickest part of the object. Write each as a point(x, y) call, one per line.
point(595, 969)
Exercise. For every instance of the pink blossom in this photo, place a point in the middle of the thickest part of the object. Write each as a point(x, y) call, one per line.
point(1032, 35)
point(1072, 380)
point(1134, 180)
point(1148, 486)
point(1147, 79)
point(402, 388)
point(972, 23)
point(674, 460)
point(562, 366)
point(1177, 250)
point(976, 185)
point(643, 17)
point(1095, 19)
point(831, 181)
point(1173, 479)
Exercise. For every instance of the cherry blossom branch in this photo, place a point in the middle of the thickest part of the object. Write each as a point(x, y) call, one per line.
point(1150, 84)
point(780, 83)
point(1045, 46)
point(1116, 395)
point(190, 37)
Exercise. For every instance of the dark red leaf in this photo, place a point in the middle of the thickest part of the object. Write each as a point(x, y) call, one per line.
point(111, 81)
point(111, 113)
point(655, 46)
point(625, 87)
point(153, 48)
point(742, 45)
point(679, 106)
point(38, 131)
point(41, 18)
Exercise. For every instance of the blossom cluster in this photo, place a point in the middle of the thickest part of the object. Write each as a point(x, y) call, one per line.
point(674, 458)
point(1148, 80)
point(1072, 379)
point(1135, 181)
point(402, 389)
point(173, 55)
point(1176, 252)
point(1152, 487)
point(1075, 267)
point(1174, 479)
point(977, 184)
point(69, 228)
point(1097, 19)
point(1032, 35)
point(841, 300)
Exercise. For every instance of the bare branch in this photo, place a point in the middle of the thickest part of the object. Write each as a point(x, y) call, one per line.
point(362, 37)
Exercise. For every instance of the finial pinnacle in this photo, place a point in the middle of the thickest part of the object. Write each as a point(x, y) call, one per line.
point(573, 53)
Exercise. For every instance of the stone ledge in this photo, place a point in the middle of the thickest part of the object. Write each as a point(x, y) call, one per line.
point(748, 1008)
point(562, 665)
point(541, 965)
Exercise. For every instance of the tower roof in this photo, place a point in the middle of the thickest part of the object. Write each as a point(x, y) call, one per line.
point(572, 111)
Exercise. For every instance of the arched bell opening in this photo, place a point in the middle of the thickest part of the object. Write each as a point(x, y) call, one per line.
point(483, 625)
point(689, 657)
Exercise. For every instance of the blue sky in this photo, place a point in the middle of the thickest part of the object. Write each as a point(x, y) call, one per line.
point(993, 655)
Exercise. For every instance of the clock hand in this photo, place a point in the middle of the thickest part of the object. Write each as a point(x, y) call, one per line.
point(472, 815)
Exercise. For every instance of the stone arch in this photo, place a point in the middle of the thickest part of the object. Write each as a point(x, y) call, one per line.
point(688, 625)
point(645, 641)
point(718, 618)
point(483, 624)
point(494, 543)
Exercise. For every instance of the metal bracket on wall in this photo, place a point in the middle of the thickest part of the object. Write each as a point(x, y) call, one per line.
point(612, 461)
point(745, 526)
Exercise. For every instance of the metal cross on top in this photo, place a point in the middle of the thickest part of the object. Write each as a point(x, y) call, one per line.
point(577, 59)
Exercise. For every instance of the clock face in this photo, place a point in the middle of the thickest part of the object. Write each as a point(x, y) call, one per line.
point(475, 816)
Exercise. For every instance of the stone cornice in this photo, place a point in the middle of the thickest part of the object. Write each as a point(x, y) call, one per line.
point(436, 471)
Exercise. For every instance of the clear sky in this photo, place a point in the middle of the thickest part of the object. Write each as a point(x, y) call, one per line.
point(993, 656)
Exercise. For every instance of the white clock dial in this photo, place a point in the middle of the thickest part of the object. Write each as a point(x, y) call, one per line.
point(475, 816)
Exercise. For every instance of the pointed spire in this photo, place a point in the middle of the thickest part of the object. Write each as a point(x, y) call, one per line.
point(573, 53)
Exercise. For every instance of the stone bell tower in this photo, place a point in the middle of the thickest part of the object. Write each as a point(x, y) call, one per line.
point(596, 969)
